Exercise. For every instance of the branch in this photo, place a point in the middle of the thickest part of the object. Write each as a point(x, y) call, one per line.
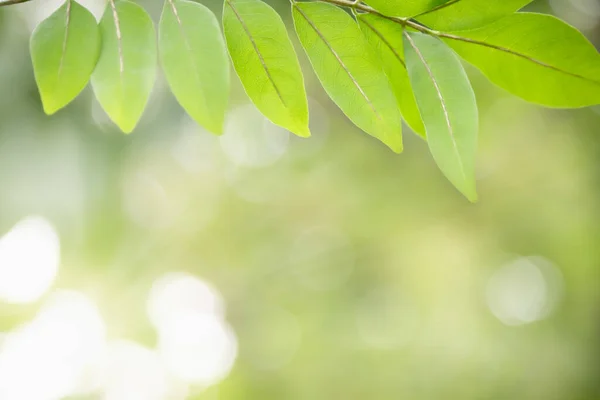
point(11, 2)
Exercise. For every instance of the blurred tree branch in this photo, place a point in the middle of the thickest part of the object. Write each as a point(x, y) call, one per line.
point(11, 2)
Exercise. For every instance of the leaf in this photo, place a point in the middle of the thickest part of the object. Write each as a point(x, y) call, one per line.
point(385, 37)
point(448, 107)
point(405, 8)
point(126, 70)
point(64, 50)
point(349, 70)
point(265, 61)
point(468, 14)
point(194, 59)
point(536, 57)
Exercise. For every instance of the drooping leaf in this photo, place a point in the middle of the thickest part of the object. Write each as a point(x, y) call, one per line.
point(536, 57)
point(265, 61)
point(126, 70)
point(448, 107)
point(468, 14)
point(405, 8)
point(385, 37)
point(194, 59)
point(349, 70)
point(64, 50)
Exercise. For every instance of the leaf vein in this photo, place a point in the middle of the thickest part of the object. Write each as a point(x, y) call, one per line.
point(442, 101)
point(257, 51)
point(340, 61)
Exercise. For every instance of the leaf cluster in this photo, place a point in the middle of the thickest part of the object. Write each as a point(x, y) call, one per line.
point(380, 61)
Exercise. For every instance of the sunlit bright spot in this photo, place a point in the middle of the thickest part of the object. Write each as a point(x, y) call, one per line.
point(36, 13)
point(581, 13)
point(57, 354)
point(179, 293)
point(195, 149)
point(385, 319)
point(322, 258)
point(284, 338)
point(525, 290)
point(250, 140)
point(29, 260)
point(134, 372)
point(198, 348)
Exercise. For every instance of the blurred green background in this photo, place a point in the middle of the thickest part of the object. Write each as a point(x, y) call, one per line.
point(173, 264)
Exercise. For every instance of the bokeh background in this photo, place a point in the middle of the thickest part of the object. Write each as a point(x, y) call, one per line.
point(173, 264)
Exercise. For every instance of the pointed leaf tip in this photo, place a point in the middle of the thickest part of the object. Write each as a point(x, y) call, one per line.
point(194, 59)
point(64, 50)
point(448, 107)
point(265, 61)
point(126, 70)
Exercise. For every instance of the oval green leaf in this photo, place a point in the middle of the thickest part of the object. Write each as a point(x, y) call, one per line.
point(468, 14)
point(448, 107)
point(349, 70)
point(126, 70)
point(536, 57)
point(194, 59)
point(385, 37)
point(266, 63)
point(405, 8)
point(64, 50)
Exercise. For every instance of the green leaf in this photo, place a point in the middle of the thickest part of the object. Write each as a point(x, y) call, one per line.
point(405, 8)
point(126, 70)
point(265, 61)
point(349, 70)
point(386, 37)
point(468, 14)
point(64, 50)
point(448, 107)
point(536, 57)
point(194, 59)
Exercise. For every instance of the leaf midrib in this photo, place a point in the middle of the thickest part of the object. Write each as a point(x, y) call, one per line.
point(65, 40)
point(339, 60)
point(517, 54)
point(442, 101)
point(257, 51)
point(120, 52)
point(188, 46)
point(384, 40)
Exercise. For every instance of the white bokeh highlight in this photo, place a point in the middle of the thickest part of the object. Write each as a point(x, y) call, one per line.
point(134, 372)
point(524, 290)
point(178, 294)
point(251, 140)
point(198, 348)
point(29, 260)
point(57, 354)
point(195, 342)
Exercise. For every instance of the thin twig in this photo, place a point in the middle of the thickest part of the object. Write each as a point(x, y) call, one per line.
point(11, 2)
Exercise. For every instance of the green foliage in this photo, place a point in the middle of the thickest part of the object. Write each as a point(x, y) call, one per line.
point(64, 50)
point(126, 70)
point(404, 8)
point(189, 34)
point(448, 108)
point(265, 61)
point(467, 14)
point(386, 37)
point(536, 57)
point(384, 61)
point(349, 70)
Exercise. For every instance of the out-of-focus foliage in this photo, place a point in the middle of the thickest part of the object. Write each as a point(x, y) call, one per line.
point(343, 271)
